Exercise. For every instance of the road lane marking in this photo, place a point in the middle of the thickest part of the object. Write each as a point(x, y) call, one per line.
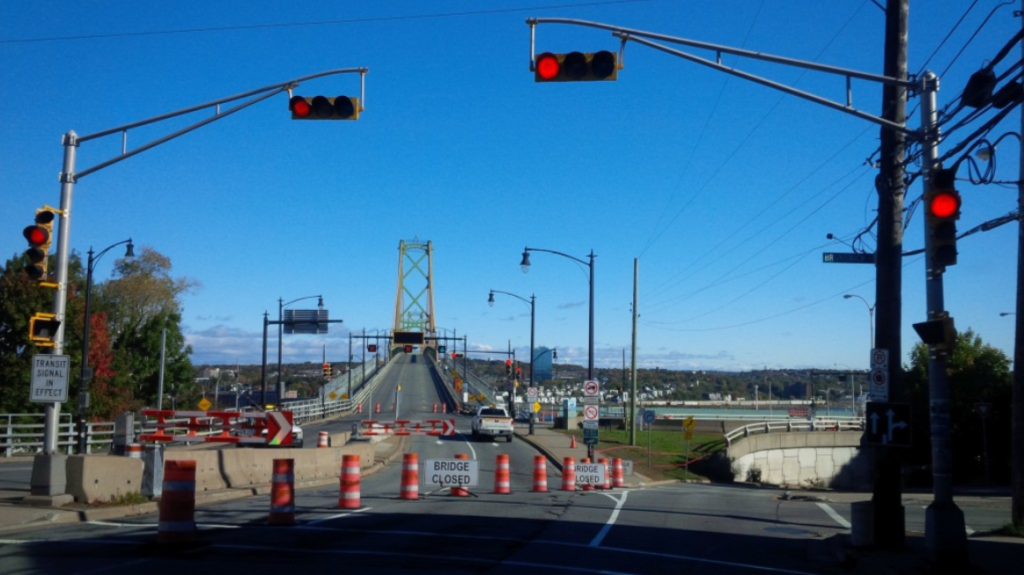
point(619, 502)
point(335, 516)
point(834, 515)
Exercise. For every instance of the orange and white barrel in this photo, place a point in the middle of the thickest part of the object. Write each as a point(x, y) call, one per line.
point(133, 450)
point(349, 496)
point(410, 477)
point(435, 407)
point(324, 440)
point(282, 493)
point(540, 474)
point(606, 484)
point(444, 407)
point(378, 407)
point(359, 408)
point(502, 475)
point(586, 486)
point(568, 474)
point(459, 491)
point(618, 474)
point(178, 502)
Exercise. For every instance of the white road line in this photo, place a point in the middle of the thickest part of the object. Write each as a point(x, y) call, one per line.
point(619, 502)
point(335, 516)
point(834, 515)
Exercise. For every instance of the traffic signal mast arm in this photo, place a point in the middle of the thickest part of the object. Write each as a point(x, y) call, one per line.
point(643, 37)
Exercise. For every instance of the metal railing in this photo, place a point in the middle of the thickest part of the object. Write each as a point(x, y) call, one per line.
point(816, 424)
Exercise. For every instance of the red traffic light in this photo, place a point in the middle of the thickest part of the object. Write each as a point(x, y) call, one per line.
point(576, 67)
point(324, 108)
point(407, 349)
point(944, 204)
point(508, 362)
point(371, 348)
point(454, 355)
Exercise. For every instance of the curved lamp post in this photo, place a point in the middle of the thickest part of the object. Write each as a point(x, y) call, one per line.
point(280, 311)
point(525, 265)
point(871, 316)
point(86, 375)
point(532, 303)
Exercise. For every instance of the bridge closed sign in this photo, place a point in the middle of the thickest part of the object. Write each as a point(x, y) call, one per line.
point(589, 473)
point(461, 472)
point(50, 378)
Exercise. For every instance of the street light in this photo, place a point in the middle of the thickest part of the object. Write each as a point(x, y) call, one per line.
point(525, 265)
point(83, 393)
point(280, 312)
point(532, 303)
point(871, 317)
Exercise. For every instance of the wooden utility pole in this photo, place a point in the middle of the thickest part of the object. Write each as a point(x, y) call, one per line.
point(889, 522)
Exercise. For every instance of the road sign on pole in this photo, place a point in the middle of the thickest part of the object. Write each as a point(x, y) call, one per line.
point(879, 384)
point(50, 378)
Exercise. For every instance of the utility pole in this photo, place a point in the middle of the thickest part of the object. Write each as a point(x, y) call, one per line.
point(889, 527)
point(632, 361)
point(1017, 425)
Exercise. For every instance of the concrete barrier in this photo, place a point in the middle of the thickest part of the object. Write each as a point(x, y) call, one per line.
point(94, 478)
point(100, 478)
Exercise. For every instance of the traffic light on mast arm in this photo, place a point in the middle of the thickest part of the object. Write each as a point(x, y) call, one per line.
point(328, 370)
point(508, 367)
point(39, 236)
point(323, 108)
point(576, 67)
point(942, 210)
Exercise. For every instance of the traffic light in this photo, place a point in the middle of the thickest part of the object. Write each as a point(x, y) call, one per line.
point(42, 329)
point(454, 355)
point(942, 210)
point(508, 367)
point(372, 348)
point(576, 67)
point(39, 236)
point(407, 349)
point(323, 108)
point(328, 370)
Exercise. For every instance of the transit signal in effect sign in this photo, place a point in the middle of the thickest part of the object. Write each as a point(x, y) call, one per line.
point(50, 378)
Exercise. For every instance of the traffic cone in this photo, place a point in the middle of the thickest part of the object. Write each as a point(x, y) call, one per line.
point(410, 477)
point(540, 474)
point(349, 498)
point(573, 444)
point(282, 493)
point(568, 474)
point(178, 502)
point(618, 473)
point(459, 491)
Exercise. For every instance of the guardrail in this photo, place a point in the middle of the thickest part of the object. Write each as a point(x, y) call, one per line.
point(816, 424)
point(22, 433)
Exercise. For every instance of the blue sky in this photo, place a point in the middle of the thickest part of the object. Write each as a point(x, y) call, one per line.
point(724, 190)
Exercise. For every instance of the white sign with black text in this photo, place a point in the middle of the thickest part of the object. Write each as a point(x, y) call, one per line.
point(50, 375)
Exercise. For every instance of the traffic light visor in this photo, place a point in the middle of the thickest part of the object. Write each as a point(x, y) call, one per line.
point(944, 204)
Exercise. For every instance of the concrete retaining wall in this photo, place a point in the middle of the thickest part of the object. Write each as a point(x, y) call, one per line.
point(802, 459)
point(95, 478)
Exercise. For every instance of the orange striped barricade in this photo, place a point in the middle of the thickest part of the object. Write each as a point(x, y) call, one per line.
point(323, 440)
point(282, 493)
point(410, 477)
point(586, 486)
point(568, 474)
point(349, 497)
point(618, 474)
point(133, 450)
point(459, 491)
point(178, 502)
point(606, 484)
point(540, 474)
point(502, 477)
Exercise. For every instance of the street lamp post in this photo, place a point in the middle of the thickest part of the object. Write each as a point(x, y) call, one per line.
point(871, 317)
point(280, 311)
point(525, 265)
point(86, 375)
point(532, 303)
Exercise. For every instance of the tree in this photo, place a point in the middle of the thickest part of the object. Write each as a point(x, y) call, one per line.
point(979, 375)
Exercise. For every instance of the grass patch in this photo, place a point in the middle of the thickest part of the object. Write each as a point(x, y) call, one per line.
point(669, 452)
point(130, 498)
point(1009, 530)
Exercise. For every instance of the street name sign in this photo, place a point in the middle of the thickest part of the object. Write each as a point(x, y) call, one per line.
point(844, 258)
point(50, 378)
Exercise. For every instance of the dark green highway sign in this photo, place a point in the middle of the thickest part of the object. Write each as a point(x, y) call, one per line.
point(834, 258)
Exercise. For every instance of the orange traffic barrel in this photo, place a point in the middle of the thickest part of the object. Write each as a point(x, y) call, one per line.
point(324, 440)
point(349, 497)
point(178, 502)
point(540, 474)
point(568, 474)
point(410, 477)
point(459, 491)
point(586, 486)
point(502, 475)
point(282, 493)
point(606, 484)
point(618, 474)
point(133, 450)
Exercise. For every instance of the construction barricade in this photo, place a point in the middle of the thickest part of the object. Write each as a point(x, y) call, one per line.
point(282, 493)
point(349, 497)
point(618, 474)
point(540, 474)
point(178, 502)
point(568, 474)
point(502, 475)
point(410, 477)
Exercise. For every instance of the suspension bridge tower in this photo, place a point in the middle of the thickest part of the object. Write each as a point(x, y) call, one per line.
point(414, 302)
